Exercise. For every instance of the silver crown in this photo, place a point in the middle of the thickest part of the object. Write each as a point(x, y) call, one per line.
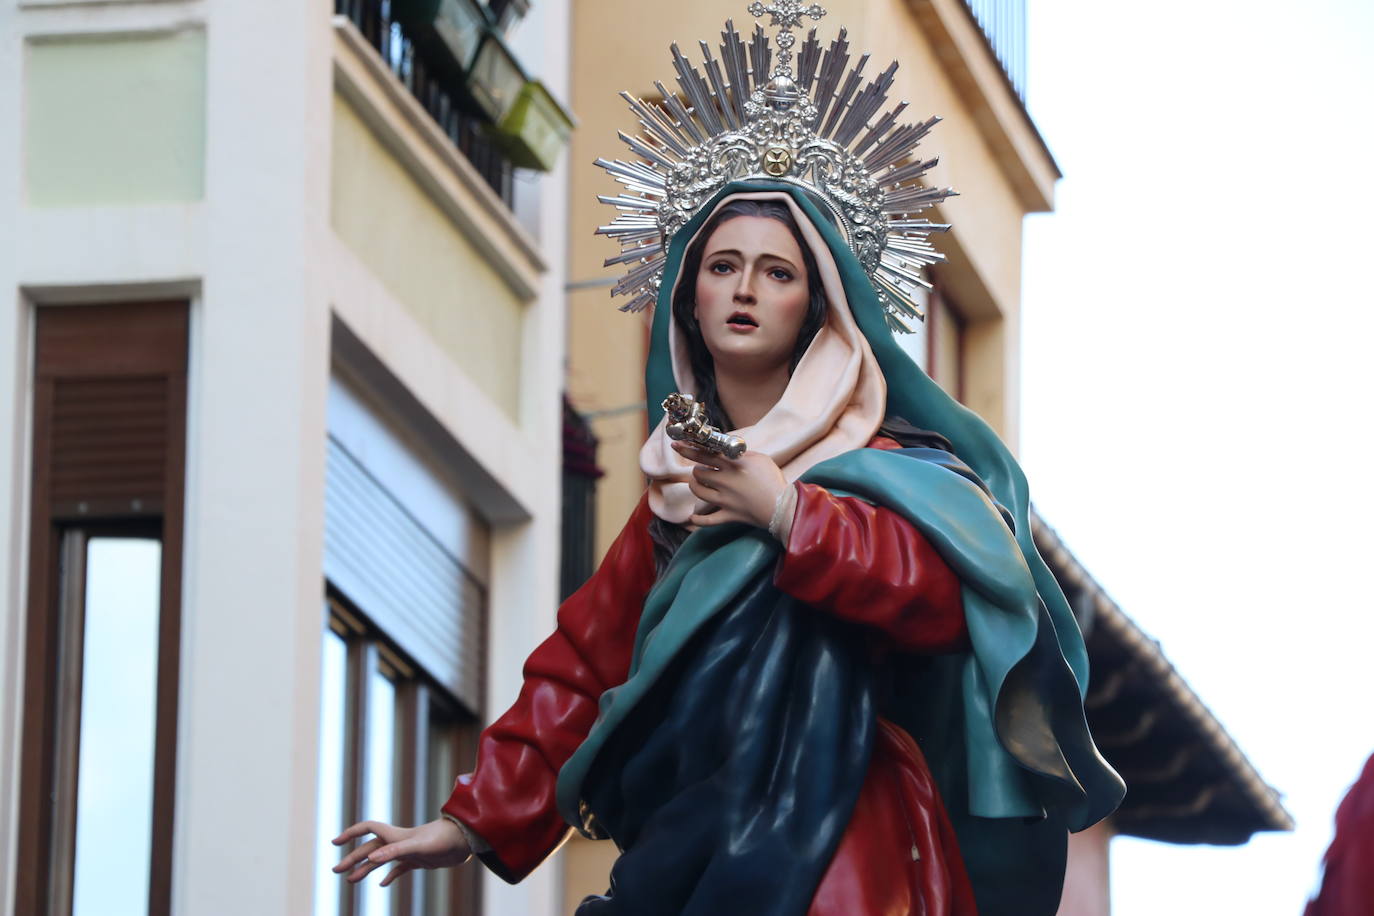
point(750, 117)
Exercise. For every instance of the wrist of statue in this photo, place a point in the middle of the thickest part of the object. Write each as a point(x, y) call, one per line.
point(784, 509)
point(476, 844)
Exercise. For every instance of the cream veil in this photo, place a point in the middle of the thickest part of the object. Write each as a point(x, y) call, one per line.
point(834, 403)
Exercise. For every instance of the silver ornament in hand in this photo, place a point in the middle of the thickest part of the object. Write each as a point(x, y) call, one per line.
point(687, 423)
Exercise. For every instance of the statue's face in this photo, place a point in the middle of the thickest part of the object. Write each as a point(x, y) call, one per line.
point(752, 294)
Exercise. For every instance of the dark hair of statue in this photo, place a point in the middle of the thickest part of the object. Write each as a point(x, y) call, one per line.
point(668, 537)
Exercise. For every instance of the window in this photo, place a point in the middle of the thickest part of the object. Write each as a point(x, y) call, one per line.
point(103, 626)
point(113, 583)
point(391, 741)
point(580, 474)
point(403, 630)
point(945, 343)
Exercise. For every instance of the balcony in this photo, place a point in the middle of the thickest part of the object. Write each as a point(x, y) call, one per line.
point(373, 19)
point(1004, 25)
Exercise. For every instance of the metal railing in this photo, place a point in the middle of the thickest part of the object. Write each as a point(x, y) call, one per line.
point(373, 19)
point(1004, 24)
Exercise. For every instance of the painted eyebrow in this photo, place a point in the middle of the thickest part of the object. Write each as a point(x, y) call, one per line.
point(736, 253)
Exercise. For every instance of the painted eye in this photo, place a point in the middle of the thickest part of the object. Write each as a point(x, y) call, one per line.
point(720, 267)
point(779, 273)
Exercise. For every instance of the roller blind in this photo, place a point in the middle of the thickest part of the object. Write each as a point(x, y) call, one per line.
point(379, 555)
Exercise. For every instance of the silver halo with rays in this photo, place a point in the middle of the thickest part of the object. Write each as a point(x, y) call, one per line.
point(752, 117)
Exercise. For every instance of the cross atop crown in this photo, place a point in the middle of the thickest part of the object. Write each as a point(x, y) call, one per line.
point(785, 15)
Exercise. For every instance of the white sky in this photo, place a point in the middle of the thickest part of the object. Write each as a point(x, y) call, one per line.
point(1197, 366)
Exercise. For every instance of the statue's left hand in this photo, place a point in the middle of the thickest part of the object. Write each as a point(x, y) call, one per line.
point(745, 488)
point(438, 844)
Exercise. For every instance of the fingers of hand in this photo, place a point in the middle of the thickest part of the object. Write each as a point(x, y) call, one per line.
point(400, 869)
point(703, 491)
point(362, 828)
point(363, 870)
point(393, 851)
point(357, 855)
point(719, 517)
point(704, 475)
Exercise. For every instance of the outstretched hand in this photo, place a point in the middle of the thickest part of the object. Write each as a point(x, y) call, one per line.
point(438, 844)
point(745, 488)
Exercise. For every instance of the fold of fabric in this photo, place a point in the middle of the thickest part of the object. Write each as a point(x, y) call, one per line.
point(730, 784)
point(911, 395)
point(1002, 725)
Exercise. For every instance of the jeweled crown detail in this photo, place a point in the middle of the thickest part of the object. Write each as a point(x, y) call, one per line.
point(813, 126)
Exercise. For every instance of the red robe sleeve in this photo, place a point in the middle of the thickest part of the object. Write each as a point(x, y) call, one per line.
point(869, 565)
point(1347, 887)
point(509, 798)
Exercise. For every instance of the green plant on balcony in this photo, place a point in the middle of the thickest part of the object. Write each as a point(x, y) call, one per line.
point(461, 41)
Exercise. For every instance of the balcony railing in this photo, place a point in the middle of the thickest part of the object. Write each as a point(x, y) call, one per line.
point(1004, 24)
point(373, 19)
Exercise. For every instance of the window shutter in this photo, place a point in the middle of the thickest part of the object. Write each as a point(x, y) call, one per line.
point(394, 571)
point(109, 431)
point(109, 446)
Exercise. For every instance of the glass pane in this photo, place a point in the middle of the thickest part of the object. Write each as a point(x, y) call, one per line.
point(439, 881)
point(333, 704)
point(381, 757)
point(114, 798)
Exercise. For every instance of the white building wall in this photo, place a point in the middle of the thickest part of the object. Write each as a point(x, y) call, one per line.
point(14, 374)
point(255, 494)
point(261, 265)
point(523, 607)
point(66, 254)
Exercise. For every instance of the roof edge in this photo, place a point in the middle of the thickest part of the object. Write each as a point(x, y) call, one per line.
point(994, 104)
point(1109, 615)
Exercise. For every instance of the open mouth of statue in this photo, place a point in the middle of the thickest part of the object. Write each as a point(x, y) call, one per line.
point(740, 319)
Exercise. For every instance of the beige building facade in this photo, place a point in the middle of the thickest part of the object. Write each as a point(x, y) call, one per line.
point(317, 322)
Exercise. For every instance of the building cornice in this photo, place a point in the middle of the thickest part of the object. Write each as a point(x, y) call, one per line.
point(994, 105)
